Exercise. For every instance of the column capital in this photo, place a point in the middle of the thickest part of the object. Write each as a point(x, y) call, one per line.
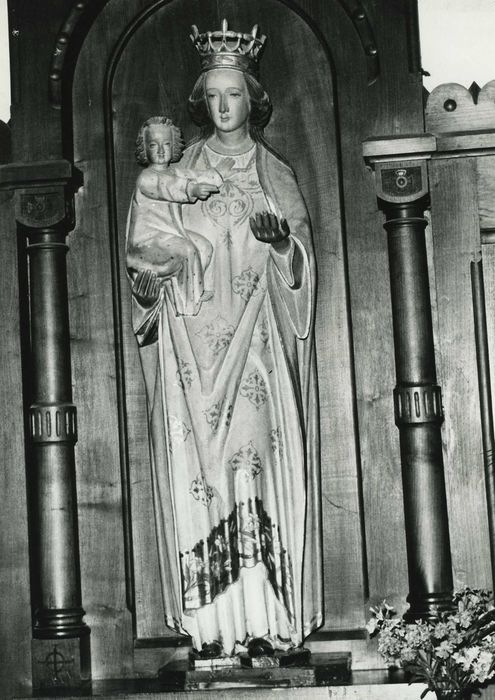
point(399, 164)
point(43, 192)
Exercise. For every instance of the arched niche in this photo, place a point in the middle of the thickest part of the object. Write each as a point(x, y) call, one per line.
point(150, 70)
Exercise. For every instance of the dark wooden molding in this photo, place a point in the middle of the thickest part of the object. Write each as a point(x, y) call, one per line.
point(39, 174)
point(82, 15)
point(5, 143)
point(364, 29)
point(67, 46)
point(413, 38)
point(60, 52)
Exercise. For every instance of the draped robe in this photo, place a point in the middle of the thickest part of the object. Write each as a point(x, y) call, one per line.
point(233, 420)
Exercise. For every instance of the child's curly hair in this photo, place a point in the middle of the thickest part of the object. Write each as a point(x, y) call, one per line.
point(177, 140)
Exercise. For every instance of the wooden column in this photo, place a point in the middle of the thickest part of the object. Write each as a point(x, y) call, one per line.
point(60, 648)
point(403, 195)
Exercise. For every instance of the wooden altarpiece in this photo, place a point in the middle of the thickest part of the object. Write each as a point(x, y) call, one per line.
point(78, 545)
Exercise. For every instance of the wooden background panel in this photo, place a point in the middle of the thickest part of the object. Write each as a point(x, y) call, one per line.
point(456, 242)
point(375, 381)
point(94, 368)
point(15, 603)
point(35, 124)
point(364, 110)
point(297, 76)
point(97, 452)
point(485, 169)
point(392, 105)
point(488, 258)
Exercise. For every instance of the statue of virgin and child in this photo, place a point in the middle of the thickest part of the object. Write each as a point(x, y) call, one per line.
point(221, 265)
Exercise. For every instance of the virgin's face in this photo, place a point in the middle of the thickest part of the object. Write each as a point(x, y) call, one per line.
point(228, 99)
point(158, 144)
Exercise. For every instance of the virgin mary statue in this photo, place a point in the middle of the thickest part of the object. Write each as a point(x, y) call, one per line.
point(232, 392)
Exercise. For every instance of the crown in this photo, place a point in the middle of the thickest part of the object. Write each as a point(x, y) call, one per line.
point(228, 49)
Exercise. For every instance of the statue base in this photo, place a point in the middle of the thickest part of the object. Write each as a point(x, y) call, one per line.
point(293, 657)
point(250, 678)
point(199, 664)
point(284, 669)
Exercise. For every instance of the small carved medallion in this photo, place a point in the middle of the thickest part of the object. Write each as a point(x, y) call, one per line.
point(403, 181)
point(40, 207)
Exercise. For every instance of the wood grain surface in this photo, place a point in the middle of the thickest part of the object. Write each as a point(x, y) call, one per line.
point(15, 603)
point(456, 242)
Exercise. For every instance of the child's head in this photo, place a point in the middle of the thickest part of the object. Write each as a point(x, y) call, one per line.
point(158, 141)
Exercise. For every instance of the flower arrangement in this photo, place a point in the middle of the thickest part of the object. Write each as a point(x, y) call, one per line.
point(454, 654)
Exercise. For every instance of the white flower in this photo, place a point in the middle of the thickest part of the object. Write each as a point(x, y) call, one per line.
point(372, 625)
point(466, 657)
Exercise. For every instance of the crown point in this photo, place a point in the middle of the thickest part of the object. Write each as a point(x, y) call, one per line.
point(228, 48)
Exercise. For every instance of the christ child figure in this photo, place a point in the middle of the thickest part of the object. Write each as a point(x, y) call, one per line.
point(160, 251)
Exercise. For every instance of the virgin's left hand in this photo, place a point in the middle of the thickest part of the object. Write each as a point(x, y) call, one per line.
point(266, 228)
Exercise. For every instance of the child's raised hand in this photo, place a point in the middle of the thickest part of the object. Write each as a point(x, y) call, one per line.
point(146, 287)
point(202, 190)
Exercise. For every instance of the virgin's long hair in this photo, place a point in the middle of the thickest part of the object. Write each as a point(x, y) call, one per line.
point(259, 116)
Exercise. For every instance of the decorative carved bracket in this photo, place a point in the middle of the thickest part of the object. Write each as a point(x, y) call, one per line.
point(400, 166)
point(364, 29)
point(463, 121)
point(453, 108)
point(43, 192)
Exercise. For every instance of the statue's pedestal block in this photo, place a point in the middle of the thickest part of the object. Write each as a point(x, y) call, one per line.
point(284, 669)
point(59, 664)
point(294, 657)
point(199, 664)
point(274, 677)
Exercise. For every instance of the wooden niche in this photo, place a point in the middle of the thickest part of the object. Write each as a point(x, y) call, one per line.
point(150, 71)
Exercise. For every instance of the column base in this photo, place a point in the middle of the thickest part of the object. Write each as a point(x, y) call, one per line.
point(428, 606)
point(59, 623)
point(61, 663)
